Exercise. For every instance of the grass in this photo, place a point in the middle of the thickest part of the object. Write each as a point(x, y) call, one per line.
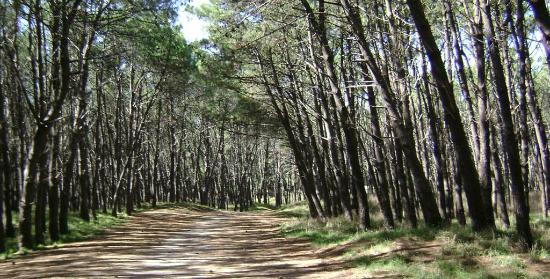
point(167, 205)
point(78, 230)
point(402, 266)
point(297, 210)
point(81, 230)
point(450, 252)
point(262, 207)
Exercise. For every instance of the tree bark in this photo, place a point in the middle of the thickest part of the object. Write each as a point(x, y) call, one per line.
point(510, 144)
point(466, 165)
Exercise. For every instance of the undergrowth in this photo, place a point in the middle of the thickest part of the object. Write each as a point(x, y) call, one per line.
point(456, 251)
point(78, 230)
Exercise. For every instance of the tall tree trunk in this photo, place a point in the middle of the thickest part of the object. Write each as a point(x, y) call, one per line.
point(5, 169)
point(461, 71)
point(542, 16)
point(68, 172)
point(498, 182)
point(466, 165)
point(459, 204)
point(510, 145)
point(53, 195)
point(484, 166)
point(350, 133)
point(84, 181)
point(37, 151)
point(436, 147)
point(43, 187)
point(405, 136)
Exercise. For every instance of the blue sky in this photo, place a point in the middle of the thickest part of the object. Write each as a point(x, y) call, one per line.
point(193, 27)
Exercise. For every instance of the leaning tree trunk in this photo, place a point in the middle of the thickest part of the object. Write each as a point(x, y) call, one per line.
point(28, 195)
point(466, 165)
point(482, 104)
point(510, 144)
point(542, 16)
point(350, 133)
point(404, 135)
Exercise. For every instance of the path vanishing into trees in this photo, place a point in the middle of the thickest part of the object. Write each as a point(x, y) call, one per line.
point(180, 242)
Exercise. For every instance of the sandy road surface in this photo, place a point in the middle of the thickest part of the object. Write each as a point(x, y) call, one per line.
point(183, 243)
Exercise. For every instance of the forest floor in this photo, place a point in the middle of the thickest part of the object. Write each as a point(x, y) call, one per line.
point(197, 242)
point(449, 252)
point(184, 242)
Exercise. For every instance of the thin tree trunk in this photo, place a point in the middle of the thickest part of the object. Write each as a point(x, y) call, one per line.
point(498, 183)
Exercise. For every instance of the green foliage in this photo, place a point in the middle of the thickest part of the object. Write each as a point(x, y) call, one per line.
point(225, 78)
point(166, 46)
point(224, 97)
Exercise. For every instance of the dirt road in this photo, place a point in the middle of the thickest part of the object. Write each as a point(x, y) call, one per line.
point(185, 244)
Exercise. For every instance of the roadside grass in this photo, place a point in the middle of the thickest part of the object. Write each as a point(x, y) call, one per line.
point(79, 230)
point(297, 210)
point(262, 207)
point(449, 252)
point(167, 205)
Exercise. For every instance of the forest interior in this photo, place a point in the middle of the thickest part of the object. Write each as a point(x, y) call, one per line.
point(295, 139)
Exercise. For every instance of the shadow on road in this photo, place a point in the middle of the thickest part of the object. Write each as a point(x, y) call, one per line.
point(182, 243)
